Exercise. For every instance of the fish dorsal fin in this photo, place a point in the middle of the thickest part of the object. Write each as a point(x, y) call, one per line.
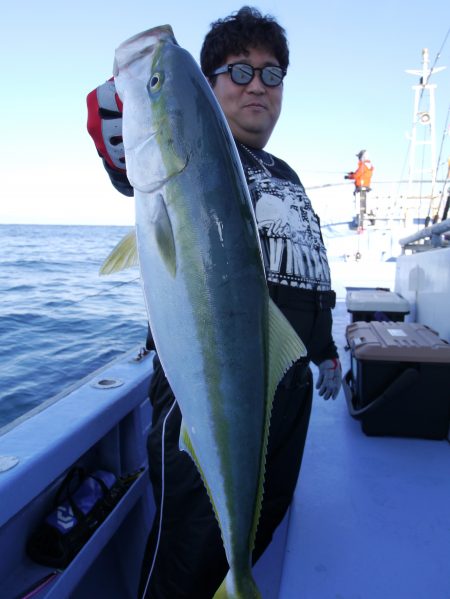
point(284, 348)
point(162, 229)
point(123, 256)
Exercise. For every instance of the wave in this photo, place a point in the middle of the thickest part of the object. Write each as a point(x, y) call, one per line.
point(60, 321)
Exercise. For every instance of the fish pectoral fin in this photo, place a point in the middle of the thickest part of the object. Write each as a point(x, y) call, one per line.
point(123, 256)
point(162, 228)
point(285, 347)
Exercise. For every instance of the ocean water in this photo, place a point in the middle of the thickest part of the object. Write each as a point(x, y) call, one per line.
point(59, 319)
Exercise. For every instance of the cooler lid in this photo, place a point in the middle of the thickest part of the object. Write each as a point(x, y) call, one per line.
point(396, 341)
point(372, 300)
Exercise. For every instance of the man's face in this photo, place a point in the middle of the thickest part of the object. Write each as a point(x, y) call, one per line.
point(252, 110)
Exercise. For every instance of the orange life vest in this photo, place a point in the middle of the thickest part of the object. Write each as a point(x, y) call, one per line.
point(363, 174)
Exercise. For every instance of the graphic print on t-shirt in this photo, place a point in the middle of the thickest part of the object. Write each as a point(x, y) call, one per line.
point(293, 250)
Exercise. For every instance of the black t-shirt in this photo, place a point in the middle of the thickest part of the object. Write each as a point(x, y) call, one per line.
point(294, 253)
point(289, 229)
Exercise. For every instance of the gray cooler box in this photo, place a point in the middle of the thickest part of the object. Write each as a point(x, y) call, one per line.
point(376, 304)
point(399, 380)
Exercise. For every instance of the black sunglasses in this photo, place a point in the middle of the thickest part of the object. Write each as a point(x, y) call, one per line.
point(242, 73)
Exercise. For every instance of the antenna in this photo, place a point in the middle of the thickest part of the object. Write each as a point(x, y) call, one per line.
point(423, 117)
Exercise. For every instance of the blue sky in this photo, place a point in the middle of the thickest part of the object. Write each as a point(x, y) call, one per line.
point(346, 90)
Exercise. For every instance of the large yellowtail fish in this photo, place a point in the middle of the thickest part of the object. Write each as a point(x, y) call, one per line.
point(223, 344)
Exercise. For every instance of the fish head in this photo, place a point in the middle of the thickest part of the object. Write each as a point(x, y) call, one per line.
point(145, 69)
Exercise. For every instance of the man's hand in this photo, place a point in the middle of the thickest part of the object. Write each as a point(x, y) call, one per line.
point(105, 125)
point(329, 381)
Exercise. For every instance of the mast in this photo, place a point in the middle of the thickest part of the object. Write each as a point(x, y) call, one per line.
point(424, 120)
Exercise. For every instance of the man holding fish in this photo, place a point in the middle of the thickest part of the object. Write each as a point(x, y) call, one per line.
point(223, 344)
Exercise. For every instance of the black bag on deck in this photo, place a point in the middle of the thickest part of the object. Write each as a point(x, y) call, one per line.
point(81, 504)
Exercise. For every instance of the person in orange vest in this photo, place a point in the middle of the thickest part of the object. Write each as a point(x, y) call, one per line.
point(363, 174)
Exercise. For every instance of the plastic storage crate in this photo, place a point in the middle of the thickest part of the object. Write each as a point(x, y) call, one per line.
point(399, 380)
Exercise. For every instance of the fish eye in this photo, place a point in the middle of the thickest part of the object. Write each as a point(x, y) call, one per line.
point(156, 82)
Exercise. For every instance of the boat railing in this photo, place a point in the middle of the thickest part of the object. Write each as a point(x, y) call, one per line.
point(434, 236)
point(101, 424)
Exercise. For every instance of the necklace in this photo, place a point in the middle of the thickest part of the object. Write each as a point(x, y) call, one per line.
point(260, 161)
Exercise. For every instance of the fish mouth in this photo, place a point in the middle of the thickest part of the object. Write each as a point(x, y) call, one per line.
point(140, 45)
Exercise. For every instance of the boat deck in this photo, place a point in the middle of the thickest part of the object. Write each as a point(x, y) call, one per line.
point(370, 517)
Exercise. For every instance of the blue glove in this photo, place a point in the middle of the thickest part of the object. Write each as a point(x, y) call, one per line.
point(329, 381)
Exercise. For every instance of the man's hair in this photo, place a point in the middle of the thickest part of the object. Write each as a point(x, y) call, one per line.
point(236, 34)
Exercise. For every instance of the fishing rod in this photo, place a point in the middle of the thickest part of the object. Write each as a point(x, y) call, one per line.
point(73, 302)
point(384, 182)
point(325, 185)
point(438, 55)
point(433, 68)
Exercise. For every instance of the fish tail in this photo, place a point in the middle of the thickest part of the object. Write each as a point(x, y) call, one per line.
point(238, 587)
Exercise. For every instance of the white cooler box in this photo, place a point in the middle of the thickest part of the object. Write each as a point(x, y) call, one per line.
point(376, 304)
